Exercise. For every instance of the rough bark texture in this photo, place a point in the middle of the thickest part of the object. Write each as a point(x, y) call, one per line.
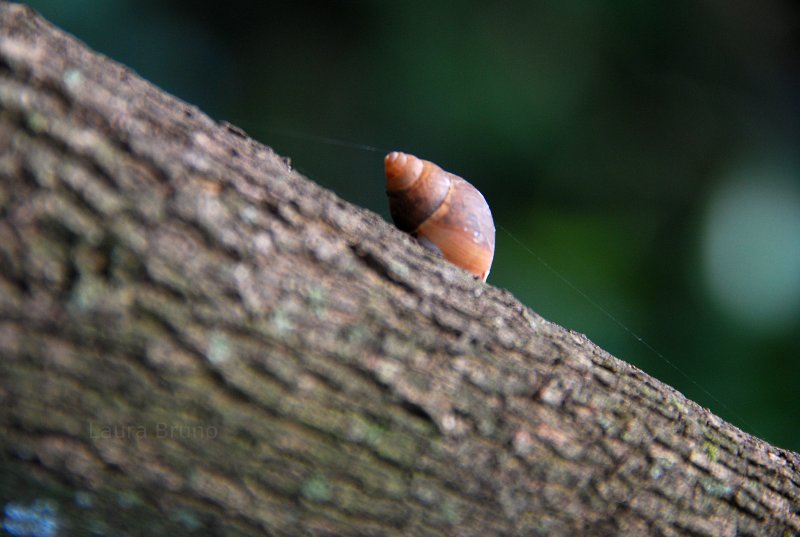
point(195, 339)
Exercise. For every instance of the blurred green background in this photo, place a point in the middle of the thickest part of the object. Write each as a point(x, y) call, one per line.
point(644, 153)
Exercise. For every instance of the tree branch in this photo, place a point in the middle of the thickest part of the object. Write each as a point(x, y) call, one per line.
point(194, 338)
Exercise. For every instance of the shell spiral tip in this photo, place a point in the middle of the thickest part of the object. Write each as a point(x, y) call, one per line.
point(402, 170)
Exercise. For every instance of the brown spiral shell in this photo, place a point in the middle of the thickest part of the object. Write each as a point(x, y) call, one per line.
point(442, 210)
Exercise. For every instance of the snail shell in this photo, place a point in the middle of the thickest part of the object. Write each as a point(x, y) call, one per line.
point(442, 210)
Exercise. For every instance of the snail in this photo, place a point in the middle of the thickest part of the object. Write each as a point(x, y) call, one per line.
point(443, 211)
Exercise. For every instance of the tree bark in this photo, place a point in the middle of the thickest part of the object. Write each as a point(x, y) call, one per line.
point(196, 339)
